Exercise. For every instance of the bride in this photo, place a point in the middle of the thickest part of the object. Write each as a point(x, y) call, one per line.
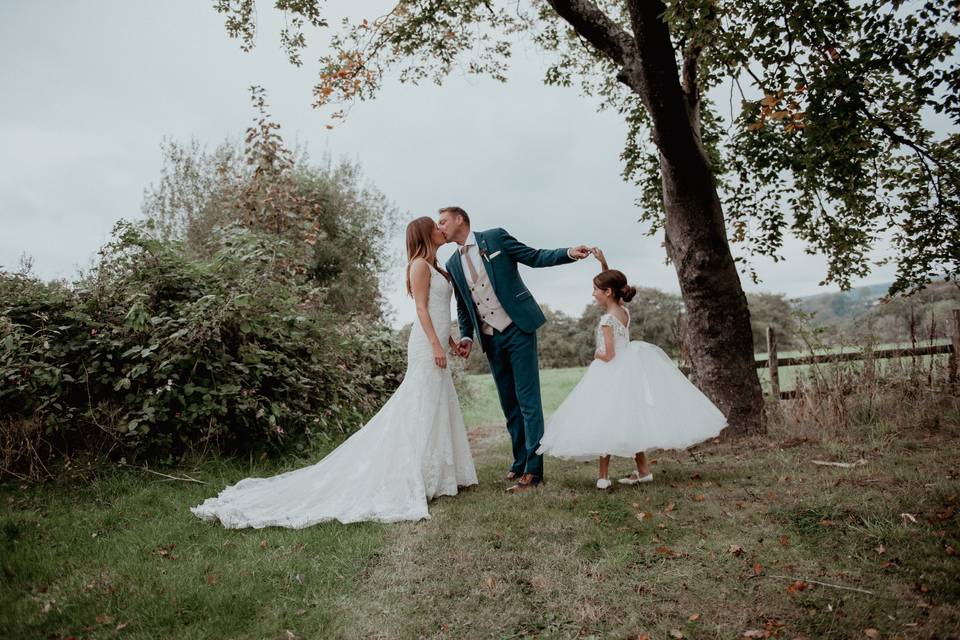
point(413, 449)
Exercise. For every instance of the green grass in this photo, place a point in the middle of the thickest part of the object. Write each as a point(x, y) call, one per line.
point(122, 556)
point(721, 535)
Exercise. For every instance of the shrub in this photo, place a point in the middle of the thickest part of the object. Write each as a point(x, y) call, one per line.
point(156, 354)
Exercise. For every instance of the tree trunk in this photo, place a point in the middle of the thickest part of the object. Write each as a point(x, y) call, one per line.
point(718, 320)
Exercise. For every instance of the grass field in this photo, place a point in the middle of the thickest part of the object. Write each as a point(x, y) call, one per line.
point(750, 537)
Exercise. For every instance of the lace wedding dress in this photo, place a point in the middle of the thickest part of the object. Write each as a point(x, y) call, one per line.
point(414, 449)
point(637, 401)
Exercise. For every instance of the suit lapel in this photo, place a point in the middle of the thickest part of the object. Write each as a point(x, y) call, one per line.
point(482, 244)
point(456, 268)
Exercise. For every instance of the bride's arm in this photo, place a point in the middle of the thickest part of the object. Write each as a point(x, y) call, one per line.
point(420, 284)
point(608, 348)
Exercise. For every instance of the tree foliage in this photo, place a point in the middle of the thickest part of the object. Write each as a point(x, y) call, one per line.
point(839, 123)
point(334, 224)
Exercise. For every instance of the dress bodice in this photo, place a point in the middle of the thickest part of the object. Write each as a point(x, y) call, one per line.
point(438, 305)
point(621, 332)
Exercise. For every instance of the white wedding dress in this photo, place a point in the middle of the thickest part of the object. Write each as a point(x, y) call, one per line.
point(414, 449)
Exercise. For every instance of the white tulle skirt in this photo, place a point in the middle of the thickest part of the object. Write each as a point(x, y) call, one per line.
point(636, 402)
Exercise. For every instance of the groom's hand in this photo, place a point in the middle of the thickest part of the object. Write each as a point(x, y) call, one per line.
point(579, 252)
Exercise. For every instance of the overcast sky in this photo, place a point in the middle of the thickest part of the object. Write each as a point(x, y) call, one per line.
point(90, 89)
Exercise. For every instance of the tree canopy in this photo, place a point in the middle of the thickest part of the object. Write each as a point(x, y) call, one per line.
point(838, 122)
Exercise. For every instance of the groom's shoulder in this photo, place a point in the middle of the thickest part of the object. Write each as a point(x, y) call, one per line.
point(496, 232)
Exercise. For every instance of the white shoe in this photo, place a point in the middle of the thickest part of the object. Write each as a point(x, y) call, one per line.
point(604, 483)
point(635, 478)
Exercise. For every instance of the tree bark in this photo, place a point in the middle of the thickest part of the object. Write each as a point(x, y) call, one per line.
point(721, 340)
point(718, 320)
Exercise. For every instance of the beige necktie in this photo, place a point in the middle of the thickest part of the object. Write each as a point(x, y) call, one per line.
point(473, 270)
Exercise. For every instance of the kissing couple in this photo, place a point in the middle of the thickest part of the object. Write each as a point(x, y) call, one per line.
point(415, 448)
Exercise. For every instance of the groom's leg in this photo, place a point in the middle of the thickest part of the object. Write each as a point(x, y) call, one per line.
point(526, 374)
point(502, 371)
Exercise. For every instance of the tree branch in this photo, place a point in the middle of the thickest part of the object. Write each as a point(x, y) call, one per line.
point(592, 24)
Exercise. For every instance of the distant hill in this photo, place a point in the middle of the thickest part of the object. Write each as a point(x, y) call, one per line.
point(842, 306)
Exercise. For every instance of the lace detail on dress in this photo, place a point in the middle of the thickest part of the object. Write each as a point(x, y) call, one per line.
point(621, 333)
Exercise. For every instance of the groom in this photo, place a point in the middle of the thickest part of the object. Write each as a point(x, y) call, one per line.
point(494, 304)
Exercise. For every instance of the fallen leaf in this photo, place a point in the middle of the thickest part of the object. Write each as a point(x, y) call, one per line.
point(644, 515)
point(949, 550)
point(211, 579)
point(676, 633)
point(694, 617)
point(880, 549)
point(736, 550)
point(491, 582)
point(798, 585)
point(669, 507)
point(699, 498)
point(104, 619)
point(263, 544)
point(752, 633)
point(908, 517)
point(48, 607)
point(122, 626)
point(643, 636)
point(666, 551)
point(784, 540)
point(757, 569)
point(871, 633)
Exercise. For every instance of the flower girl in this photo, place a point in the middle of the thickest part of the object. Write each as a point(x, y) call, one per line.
point(631, 399)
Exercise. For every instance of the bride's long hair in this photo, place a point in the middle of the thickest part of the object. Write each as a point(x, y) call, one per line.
point(419, 243)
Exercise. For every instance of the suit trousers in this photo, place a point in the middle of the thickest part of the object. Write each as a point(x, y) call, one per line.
point(515, 365)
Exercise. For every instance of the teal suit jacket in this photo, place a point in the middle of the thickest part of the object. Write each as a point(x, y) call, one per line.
point(500, 253)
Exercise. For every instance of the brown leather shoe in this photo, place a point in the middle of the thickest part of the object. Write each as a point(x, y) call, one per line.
point(527, 481)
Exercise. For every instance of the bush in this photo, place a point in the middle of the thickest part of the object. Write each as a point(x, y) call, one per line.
point(157, 354)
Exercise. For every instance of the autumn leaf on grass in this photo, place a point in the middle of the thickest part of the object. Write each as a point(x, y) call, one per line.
point(871, 633)
point(676, 633)
point(694, 617)
point(104, 619)
point(211, 579)
point(644, 515)
point(753, 633)
point(699, 498)
point(670, 506)
point(736, 550)
point(757, 568)
point(880, 549)
point(666, 551)
point(165, 551)
point(798, 585)
point(785, 540)
point(490, 583)
point(595, 515)
point(264, 544)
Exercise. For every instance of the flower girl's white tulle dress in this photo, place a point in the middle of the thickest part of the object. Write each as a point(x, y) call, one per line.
point(413, 449)
point(637, 401)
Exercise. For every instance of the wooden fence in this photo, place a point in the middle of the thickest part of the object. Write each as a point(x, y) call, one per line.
point(773, 363)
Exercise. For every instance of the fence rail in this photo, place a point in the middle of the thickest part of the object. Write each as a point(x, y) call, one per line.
point(773, 363)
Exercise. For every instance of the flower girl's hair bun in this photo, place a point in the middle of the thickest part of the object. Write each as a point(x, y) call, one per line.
point(614, 280)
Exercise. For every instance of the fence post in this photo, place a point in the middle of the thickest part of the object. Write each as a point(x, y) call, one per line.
point(955, 354)
point(772, 362)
